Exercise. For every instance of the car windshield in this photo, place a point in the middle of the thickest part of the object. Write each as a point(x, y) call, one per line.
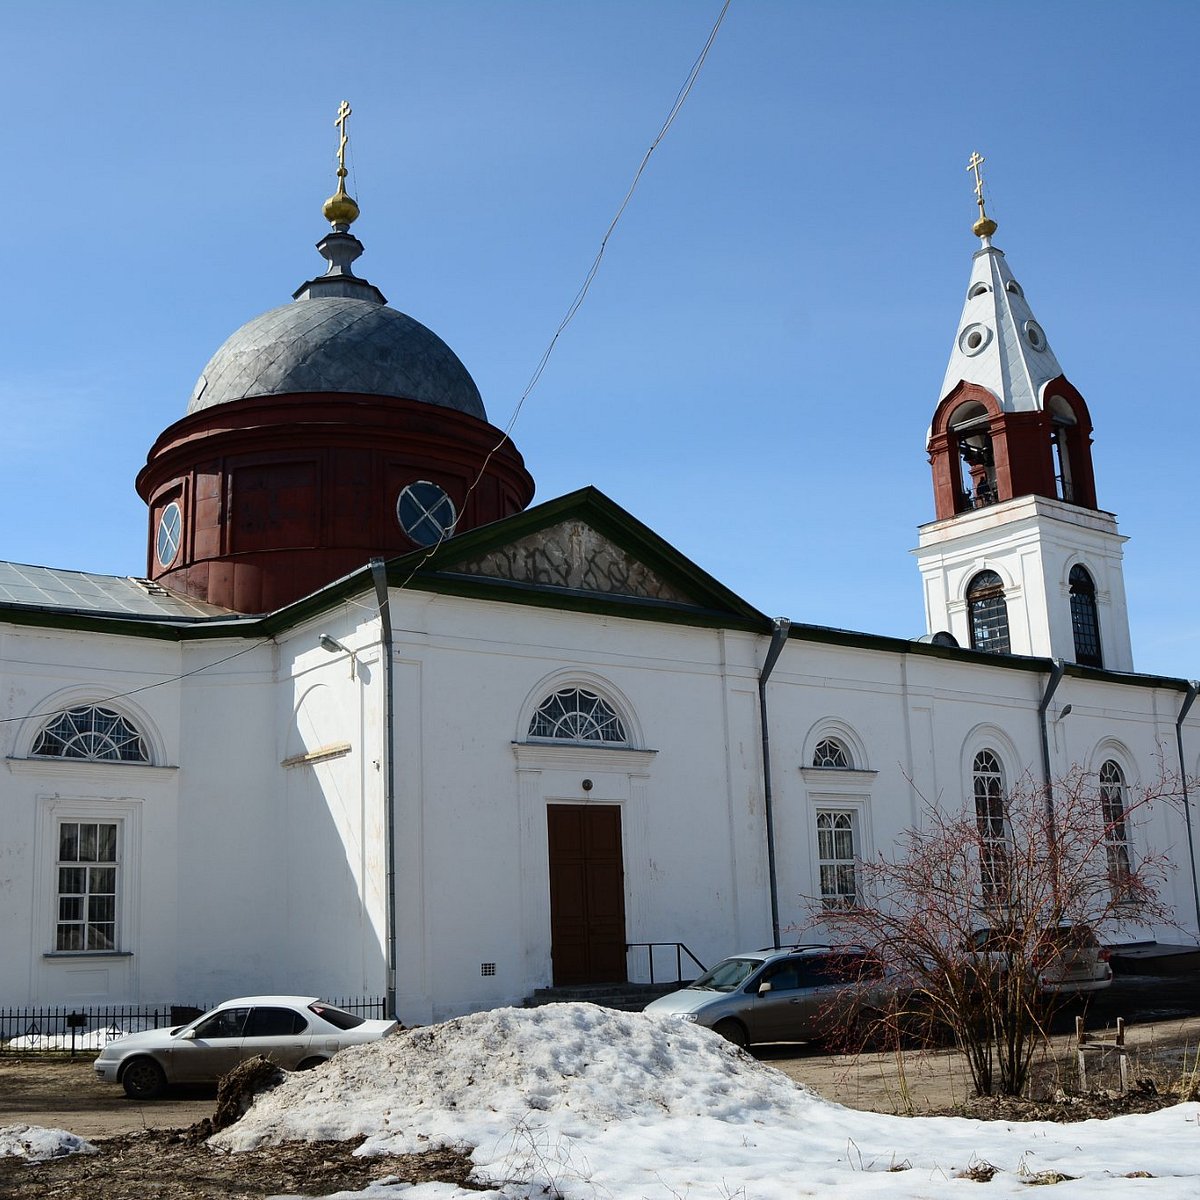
point(727, 975)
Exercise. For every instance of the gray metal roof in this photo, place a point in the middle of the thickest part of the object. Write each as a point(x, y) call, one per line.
point(103, 595)
point(323, 343)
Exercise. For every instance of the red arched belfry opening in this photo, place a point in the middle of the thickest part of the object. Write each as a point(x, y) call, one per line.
point(982, 455)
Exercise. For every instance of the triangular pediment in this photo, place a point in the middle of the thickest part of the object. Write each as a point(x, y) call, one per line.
point(582, 550)
point(571, 554)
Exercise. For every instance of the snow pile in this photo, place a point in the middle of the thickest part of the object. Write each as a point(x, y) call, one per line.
point(591, 1064)
point(583, 1102)
point(93, 1039)
point(37, 1144)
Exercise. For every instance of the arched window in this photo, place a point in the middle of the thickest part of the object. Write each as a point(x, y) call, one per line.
point(987, 779)
point(988, 613)
point(91, 732)
point(836, 858)
point(832, 752)
point(1085, 623)
point(1116, 833)
point(573, 715)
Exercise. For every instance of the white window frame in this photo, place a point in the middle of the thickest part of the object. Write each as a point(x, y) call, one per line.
point(125, 733)
point(52, 813)
point(596, 729)
point(96, 854)
point(836, 864)
point(994, 842)
point(1117, 850)
point(839, 750)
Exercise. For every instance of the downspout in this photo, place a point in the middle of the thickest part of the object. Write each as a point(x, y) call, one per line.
point(1055, 679)
point(779, 636)
point(379, 576)
point(1052, 683)
point(1188, 701)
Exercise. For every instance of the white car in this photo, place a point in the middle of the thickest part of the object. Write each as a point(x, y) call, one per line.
point(297, 1032)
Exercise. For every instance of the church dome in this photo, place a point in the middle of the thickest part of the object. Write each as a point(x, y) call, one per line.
point(337, 343)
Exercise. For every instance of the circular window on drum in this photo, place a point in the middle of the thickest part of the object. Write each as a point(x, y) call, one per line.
point(426, 513)
point(170, 530)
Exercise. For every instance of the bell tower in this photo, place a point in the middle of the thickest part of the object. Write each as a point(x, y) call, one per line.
point(1019, 559)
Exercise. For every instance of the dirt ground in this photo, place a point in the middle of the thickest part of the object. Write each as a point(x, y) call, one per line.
point(1160, 1054)
point(145, 1151)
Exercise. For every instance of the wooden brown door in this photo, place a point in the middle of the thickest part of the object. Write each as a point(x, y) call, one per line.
point(587, 894)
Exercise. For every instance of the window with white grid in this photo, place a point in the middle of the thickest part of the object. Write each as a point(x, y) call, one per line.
point(1116, 828)
point(87, 874)
point(836, 854)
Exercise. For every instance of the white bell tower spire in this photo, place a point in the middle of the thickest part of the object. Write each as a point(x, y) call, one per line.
point(1020, 559)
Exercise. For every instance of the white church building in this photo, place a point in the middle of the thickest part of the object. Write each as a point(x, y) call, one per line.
point(372, 724)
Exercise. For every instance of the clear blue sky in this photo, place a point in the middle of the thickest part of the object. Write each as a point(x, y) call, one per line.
point(757, 363)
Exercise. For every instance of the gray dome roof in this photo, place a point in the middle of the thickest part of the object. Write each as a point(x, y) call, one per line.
point(337, 344)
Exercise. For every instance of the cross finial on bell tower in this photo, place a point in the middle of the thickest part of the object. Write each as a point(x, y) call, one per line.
point(985, 226)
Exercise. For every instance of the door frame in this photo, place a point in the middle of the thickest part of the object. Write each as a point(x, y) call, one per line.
point(549, 773)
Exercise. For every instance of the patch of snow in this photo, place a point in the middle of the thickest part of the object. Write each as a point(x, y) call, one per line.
point(37, 1144)
point(93, 1039)
point(584, 1102)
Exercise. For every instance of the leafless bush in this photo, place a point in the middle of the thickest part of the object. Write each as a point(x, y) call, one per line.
point(1046, 865)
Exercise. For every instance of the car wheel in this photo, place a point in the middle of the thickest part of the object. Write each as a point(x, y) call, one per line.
point(732, 1031)
point(309, 1063)
point(143, 1079)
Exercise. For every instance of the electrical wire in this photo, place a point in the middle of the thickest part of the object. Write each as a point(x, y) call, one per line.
point(577, 303)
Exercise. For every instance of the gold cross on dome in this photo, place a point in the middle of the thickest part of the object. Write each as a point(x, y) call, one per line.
point(344, 111)
point(977, 161)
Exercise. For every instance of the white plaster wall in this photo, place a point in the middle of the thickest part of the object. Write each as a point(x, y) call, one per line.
point(248, 875)
point(44, 671)
point(472, 857)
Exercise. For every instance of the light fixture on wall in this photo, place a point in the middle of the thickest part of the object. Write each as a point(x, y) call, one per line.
point(335, 647)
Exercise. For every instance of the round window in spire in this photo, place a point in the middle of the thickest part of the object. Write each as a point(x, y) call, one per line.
point(1033, 331)
point(426, 513)
point(973, 339)
point(166, 541)
point(978, 289)
point(1013, 286)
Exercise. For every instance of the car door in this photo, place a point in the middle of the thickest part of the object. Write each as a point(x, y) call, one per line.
point(772, 1014)
point(807, 1000)
point(278, 1033)
point(209, 1049)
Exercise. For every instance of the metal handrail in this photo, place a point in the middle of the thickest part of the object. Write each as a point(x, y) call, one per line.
point(680, 951)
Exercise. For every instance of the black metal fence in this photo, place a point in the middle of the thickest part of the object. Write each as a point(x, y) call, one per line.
point(80, 1029)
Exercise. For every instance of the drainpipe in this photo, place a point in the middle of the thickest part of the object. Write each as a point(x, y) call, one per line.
point(1052, 683)
point(1188, 701)
point(779, 636)
point(379, 576)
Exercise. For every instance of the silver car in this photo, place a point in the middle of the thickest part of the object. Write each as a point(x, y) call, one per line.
point(296, 1032)
point(793, 994)
point(1067, 958)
